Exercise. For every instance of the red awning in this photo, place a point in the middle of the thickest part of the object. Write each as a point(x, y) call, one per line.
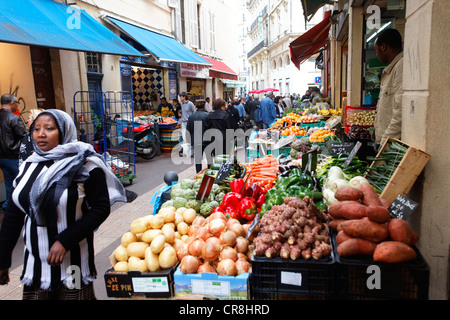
point(311, 42)
point(221, 70)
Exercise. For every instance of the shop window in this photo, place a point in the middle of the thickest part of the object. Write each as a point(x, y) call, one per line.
point(93, 62)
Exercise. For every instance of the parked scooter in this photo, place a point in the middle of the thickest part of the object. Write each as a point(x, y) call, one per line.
point(144, 147)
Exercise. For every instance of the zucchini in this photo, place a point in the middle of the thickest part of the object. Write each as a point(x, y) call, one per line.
point(222, 158)
point(215, 166)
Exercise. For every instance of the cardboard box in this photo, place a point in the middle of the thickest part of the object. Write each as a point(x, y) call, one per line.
point(406, 173)
point(211, 286)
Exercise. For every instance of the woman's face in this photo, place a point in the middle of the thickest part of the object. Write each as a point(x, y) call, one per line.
point(45, 133)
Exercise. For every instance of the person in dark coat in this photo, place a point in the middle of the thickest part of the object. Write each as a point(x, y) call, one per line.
point(196, 126)
point(221, 120)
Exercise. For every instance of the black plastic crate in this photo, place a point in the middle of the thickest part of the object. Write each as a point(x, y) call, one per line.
point(285, 279)
point(360, 278)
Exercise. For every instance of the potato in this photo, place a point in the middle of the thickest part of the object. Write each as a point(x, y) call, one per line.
point(157, 222)
point(356, 247)
point(136, 264)
point(121, 266)
point(121, 254)
point(168, 258)
point(365, 229)
point(177, 235)
point(151, 234)
point(158, 244)
point(178, 218)
point(128, 238)
point(393, 252)
point(183, 228)
point(189, 215)
point(168, 213)
point(180, 210)
point(169, 233)
point(171, 224)
point(137, 249)
point(348, 193)
point(138, 226)
point(151, 260)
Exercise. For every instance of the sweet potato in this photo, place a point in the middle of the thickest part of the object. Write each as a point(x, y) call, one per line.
point(352, 211)
point(334, 224)
point(370, 196)
point(393, 252)
point(365, 229)
point(385, 203)
point(335, 209)
point(356, 247)
point(378, 214)
point(348, 193)
point(342, 236)
point(399, 230)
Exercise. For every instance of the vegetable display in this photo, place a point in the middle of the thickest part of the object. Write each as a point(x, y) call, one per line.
point(365, 227)
point(294, 229)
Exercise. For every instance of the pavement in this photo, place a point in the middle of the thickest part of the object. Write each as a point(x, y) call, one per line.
point(107, 238)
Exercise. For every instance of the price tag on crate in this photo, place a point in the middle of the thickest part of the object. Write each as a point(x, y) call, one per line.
point(402, 207)
point(352, 154)
point(205, 188)
point(339, 148)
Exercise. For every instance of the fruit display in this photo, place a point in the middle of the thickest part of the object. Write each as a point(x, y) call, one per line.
point(361, 118)
point(319, 135)
point(296, 131)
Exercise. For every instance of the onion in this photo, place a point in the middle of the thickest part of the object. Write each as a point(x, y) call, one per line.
point(189, 264)
point(238, 229)
point(228, 238)
point(182, 251)
point(242, 266)
point(228, 253)
point(232, 221)
point(202, 233)
point(216, 226)
point(227, 267)
point(211, 250)
point(241, 256)
point(192, 229)
point(199, 221)
point(217, 215)
point(195, 248)
point(206, 267)
point(241, 245)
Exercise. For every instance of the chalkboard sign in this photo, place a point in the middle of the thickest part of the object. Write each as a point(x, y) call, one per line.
point(339, 148)
point(352, 154)
point(402, 207)
point(224, 169)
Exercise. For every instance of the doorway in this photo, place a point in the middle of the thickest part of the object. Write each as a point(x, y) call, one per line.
point(42, 76)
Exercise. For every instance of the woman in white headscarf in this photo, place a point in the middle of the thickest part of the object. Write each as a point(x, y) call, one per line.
point(63, 192)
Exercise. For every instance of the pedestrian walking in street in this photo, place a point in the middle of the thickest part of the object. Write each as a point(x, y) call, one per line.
point(208, 106)
point(187, 109)
point(62, 194)
point(221, 120)
point(268, 110)
point(240, 107)
point(279, 106)
point(196, 127)
point(12, 131)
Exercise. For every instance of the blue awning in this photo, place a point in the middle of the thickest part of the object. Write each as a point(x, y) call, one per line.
point(51, 24)
point(162, 47)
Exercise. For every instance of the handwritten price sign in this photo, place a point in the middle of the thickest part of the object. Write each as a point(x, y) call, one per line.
point(402, 207)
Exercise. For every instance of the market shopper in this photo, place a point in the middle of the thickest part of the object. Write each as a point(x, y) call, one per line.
point(187, 109)
point(26, 147)
point(279, 106)
point(196, 126)
point(316, 96)
point(221, 120)
point(240, 107)
point(165, 109)
point(307, 95)
point(268, 110)
point(388, 120)
point(62, 194)
point(12, 131)
point(208, 106)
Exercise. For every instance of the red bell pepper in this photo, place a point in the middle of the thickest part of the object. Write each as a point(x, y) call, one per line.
point(237, 185)
point(261, 200)
point(231, 199)
point(231, 213)
point(247, 208)
point(253, 191)
point(218, 209)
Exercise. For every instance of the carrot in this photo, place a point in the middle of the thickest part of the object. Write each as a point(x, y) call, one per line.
point(353, 211)
point(356, 247)
point(348, 193)
point(393, 252)
point(370, 196)
point(378, 214)
point(399, 230)
point(365, 229)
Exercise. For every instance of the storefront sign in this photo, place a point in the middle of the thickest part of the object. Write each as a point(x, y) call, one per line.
point(193, 71)
point(172, 84)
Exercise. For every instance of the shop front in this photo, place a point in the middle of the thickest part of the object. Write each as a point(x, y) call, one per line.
point(193, 80)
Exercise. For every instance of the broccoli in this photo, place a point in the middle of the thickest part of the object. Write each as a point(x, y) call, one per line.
point(206, 209)
point(193, 204)
point(187, 184)
point(179, 202)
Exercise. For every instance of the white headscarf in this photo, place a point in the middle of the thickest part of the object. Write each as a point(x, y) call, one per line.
point(69, 159)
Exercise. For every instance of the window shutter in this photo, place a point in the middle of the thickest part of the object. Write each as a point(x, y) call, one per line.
point(194, 23)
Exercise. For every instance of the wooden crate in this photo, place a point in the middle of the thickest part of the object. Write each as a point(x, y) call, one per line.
point(406, 173)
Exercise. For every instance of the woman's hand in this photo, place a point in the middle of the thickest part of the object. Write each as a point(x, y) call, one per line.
point(56, 254)
point(4, 276)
